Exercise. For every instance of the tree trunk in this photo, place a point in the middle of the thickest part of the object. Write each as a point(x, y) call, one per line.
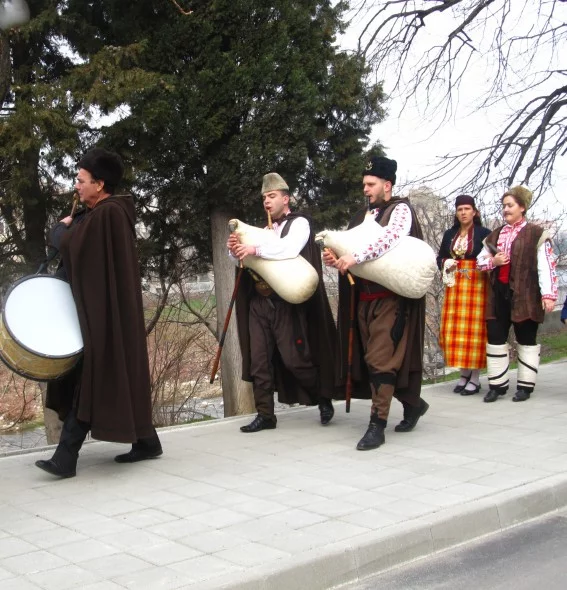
point(34, 209)
point(51, 420)
point(237, 394)
point(4, 67)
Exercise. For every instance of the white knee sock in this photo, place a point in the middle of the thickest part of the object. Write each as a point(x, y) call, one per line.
point(528, 364)
point(497, 365)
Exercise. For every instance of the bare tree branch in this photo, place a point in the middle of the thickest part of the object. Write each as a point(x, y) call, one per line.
point(184, 12)
point(428, 49)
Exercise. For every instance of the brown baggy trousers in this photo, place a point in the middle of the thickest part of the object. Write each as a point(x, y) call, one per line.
point(384, 345)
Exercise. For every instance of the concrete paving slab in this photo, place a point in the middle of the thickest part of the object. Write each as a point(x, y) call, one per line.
point(293, 507)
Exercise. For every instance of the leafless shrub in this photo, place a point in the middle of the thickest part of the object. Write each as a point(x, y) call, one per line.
point(180, 348)
point(435, 217)
point(20, 401)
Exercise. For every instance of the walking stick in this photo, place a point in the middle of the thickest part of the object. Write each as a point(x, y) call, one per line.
point(226, 322)
point(229, 312)
point(348, 390)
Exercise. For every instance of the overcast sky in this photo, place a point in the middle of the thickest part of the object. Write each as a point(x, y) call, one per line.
point(416, 139)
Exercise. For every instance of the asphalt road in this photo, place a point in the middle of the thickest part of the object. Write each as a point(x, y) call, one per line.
point(528, 557)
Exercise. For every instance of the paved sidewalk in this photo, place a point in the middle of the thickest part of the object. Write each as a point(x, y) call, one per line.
point(295, 507)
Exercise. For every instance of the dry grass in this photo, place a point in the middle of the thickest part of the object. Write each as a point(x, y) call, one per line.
point(180, 362)
point(20, 401)
point(180, 352)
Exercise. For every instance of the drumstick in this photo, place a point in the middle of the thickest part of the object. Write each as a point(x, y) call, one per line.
point(75, 203)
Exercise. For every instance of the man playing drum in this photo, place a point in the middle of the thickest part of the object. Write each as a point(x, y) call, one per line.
point(285, 347)
point(388, 340)
point(109, 393)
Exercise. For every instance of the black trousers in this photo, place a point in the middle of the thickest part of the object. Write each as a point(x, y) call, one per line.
point(276, 325)
point(499, 328)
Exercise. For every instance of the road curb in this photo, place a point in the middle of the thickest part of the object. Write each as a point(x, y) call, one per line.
point(373, 553)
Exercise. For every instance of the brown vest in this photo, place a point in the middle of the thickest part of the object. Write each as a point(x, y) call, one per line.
point(524, 280)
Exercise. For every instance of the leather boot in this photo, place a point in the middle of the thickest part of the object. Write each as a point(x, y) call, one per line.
point(326, 410)
point(412, 414)
point(521, 395)
point(374, 436)
point(260, 423)
point(493, 395)
point(142, 449)
point(382, 394)
point(64, 461)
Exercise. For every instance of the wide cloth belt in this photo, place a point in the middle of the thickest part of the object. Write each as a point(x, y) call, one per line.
point(262, 288)
point(371, 288)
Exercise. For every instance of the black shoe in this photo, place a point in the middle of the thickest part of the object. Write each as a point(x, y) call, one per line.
point(260, 423)
point(139, 452)
point(412, 416)
point(374, 436)
point(471, 391)
point(53, 468)
point(460, 388)
point(326, 410)
point(521, 395)
point(493, 395)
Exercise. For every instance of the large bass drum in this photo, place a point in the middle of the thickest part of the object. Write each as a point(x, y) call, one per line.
point(40, 336)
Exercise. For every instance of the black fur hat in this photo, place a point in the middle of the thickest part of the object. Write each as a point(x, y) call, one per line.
point(382, 168)
point(465, 200)
point(103, 165)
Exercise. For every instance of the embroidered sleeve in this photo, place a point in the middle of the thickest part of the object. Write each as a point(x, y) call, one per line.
point(546, 271)
point(484, 260)
point(289, 246)
point(398, 226)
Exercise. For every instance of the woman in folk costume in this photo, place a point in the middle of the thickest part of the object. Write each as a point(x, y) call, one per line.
point(522, 288)
point(463, 327)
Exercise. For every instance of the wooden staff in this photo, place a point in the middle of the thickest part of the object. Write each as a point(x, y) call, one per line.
point(226, 323)
point(229, 312)
point(352, 300)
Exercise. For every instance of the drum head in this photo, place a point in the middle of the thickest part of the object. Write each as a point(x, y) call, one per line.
point(40, 314)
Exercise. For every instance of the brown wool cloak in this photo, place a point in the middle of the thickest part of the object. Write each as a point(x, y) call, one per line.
point(410, 374)
point(111, 387)
point(321, 330)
